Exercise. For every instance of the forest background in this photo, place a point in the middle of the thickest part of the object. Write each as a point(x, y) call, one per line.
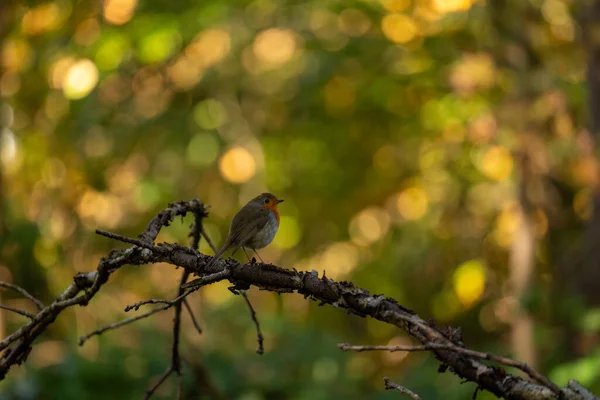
point(439, 151)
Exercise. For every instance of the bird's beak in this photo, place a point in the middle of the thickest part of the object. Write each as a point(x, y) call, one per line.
point(279, 201)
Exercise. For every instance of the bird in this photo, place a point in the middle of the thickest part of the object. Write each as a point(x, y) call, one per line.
point(253, 227)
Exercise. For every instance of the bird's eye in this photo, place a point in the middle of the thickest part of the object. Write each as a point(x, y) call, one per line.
point(266, 201)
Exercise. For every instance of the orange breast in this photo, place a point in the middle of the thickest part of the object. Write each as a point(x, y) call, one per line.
point(272, 207)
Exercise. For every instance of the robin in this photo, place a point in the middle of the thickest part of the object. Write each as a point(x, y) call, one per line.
point(253, 227)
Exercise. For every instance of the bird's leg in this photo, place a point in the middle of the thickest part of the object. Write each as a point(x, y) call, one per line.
point(255, 252)
point(247, 256)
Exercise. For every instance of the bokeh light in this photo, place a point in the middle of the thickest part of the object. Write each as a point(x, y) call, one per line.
point(412, 203)
point(274, 47)
point(369, 226)
point(118, 12)
point(237, 165)
point(399, 28)
point(497, 163)
point(209, 47)
point(80, 79)
point(469, 281)
point(43, 18)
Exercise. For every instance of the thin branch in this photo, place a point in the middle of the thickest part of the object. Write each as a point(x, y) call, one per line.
point(166, 305)
point(192, 316)
point(23, 292)
point(18, 311)
point(124, 322)
point(136, 306)
point(160, 381)
point(259, 337)
point(124, 239)
point(389, 385)
point(16, 346)
point(210, 243)
point(461, 350)
point(345, 295)
point(181, 294)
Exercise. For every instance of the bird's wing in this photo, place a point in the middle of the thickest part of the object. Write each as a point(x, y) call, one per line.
point(247, 223)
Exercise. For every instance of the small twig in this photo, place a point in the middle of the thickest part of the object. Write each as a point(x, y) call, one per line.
point(23, 292)
point(210, 243)
point(181, 294)
point(125, 239)
point(18, 311)
point(180, 386)
point(389, 385)
point(136, 306)
point(192, 316)
point(119, 324)
point(160, 381)
point(461, 350)
point(207, 280)
point(169, 303)
point(259, 337)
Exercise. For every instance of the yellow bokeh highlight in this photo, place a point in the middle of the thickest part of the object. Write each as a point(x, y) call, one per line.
point(274, 46)
point(399, 28)
point(42, 18)
point(412, 203)
point(80, 79)
point(469, 282)
point(447, 6)
point(237, 165)
point(288, 234)
point(118, 12)
point(497, 163)
point(556, 12)
point(58, 71)
point(339, 259)
point(184, 73)
point(395, 5)
point(473, 71)
point(8, 147)
point(16, 54)
point(209, 47)
point(99, 208)
point(506, 225)
point(369, 226)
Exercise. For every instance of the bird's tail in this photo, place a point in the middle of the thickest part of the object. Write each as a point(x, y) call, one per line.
point(218, 255)
point(212, 262)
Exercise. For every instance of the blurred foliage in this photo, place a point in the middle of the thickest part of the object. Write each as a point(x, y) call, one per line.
point(394, 129)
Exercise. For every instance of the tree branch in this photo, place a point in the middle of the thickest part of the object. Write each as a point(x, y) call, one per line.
point(259, 336)
point(18, 311)
point(461, 350)
point(23, 292)
point(444, 344)
point(389, 385)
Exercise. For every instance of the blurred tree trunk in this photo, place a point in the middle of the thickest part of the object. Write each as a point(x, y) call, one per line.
point(521, 268)
point(586, 278)
point(7, 12)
